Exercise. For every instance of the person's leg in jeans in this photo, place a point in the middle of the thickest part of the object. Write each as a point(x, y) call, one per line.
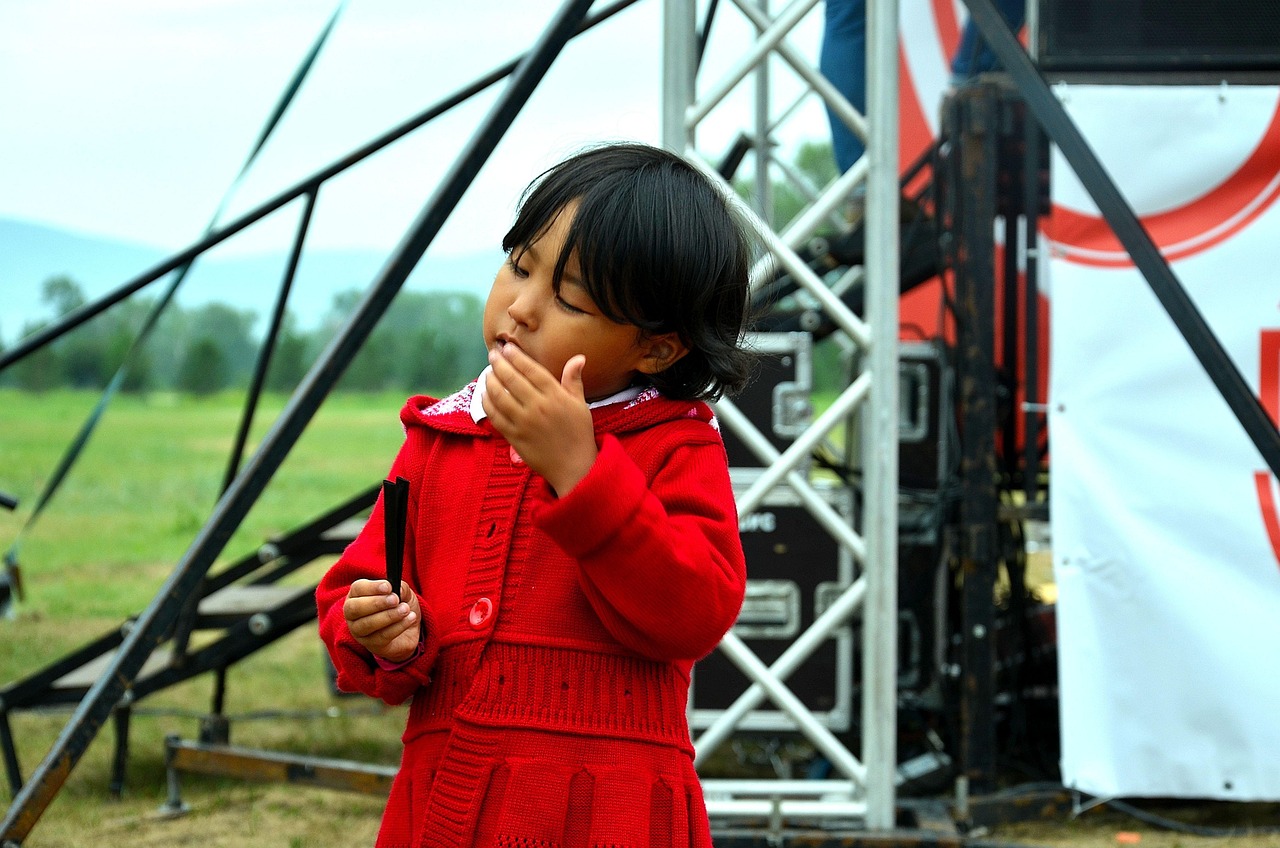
point(973, 56)
point(843, 61)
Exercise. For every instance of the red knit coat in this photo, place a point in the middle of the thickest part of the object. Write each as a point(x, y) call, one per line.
point(558, 634)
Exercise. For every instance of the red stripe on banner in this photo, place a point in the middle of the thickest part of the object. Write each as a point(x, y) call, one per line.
point(1269, 373)
point(944, 17)
point(914, 132)
point(1188, 229)
point(1262, 481)
point(1269, 394)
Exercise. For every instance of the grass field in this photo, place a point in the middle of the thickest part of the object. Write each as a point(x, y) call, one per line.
point(103, 546)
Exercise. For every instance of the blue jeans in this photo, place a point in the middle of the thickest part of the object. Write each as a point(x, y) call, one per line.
point(973, 56)
point(843, 61)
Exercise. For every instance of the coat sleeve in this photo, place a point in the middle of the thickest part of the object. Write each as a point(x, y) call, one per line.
point(358, 669)
point(660, 559)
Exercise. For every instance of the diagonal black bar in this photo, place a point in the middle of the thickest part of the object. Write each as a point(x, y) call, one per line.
point(1119, 215)
point(157, 620)
point(269, 342)
point(94, 308)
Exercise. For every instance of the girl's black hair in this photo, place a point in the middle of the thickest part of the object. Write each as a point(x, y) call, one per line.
point(656, 247)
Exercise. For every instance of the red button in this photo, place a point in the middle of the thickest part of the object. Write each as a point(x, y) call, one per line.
point(480, 612)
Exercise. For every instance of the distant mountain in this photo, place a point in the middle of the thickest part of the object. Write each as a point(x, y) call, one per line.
point(31, 253)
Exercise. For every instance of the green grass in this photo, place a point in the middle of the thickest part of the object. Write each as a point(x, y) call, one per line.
point(149, 478)
point(124, 516)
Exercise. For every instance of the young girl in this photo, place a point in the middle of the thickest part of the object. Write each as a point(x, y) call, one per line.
point(572, 542)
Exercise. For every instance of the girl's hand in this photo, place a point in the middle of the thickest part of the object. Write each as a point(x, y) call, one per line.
point(546, 420)
point(381, 622)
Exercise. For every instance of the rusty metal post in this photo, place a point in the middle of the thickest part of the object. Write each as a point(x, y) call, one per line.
point(975, 115)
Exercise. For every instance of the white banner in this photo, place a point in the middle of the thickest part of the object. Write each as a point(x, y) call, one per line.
point(1164, 527)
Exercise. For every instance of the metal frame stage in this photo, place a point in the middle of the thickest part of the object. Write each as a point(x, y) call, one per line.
point(869, 529)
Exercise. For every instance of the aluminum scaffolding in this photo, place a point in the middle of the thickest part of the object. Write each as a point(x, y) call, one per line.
point(862, 796)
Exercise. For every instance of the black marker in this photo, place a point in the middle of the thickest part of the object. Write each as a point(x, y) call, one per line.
point(395, 514)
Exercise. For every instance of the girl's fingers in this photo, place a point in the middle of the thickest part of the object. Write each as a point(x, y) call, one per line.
point(377, 618)
point(388, 606)
point(383, 627)
point(518, 370)
point(363, 588)
point(500, 385)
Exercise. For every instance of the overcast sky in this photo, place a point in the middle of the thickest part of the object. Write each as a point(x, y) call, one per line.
point(131, 118)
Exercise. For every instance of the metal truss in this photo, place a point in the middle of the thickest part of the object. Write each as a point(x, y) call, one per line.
point(862, 794)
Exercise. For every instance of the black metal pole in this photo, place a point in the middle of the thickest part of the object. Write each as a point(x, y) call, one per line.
point(1010, 364)
point(1120, 216)
point(269, 342)
point(158, 618)
point(12, 768)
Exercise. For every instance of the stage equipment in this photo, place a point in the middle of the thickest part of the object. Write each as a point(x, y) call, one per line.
point(1119, 36)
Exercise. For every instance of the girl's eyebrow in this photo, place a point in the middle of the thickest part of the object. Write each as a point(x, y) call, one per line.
point(568, 276)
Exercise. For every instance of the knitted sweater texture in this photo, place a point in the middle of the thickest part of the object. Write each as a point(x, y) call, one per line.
point(559, 634)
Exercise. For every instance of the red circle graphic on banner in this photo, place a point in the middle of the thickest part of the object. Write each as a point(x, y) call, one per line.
point(1187, 229)
point(1080, 237)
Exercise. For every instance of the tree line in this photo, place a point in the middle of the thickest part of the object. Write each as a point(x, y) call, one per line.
point(425, 342)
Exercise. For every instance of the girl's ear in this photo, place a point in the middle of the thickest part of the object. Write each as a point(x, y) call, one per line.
point(660, 352)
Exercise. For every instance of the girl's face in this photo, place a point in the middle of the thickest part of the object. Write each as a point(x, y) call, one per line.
point(524, 309)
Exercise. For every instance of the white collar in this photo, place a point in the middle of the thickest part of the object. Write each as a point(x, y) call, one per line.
point(477, 409)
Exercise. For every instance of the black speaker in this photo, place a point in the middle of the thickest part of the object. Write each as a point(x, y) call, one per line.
point(795, 570)
point(926, 428)
point(1139, 36)
point(777, 398)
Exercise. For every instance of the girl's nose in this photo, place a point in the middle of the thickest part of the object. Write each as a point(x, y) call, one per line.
point(523, 309)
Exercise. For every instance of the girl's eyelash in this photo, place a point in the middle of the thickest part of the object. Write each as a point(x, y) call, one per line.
point(569, 306)
point(522, 273)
